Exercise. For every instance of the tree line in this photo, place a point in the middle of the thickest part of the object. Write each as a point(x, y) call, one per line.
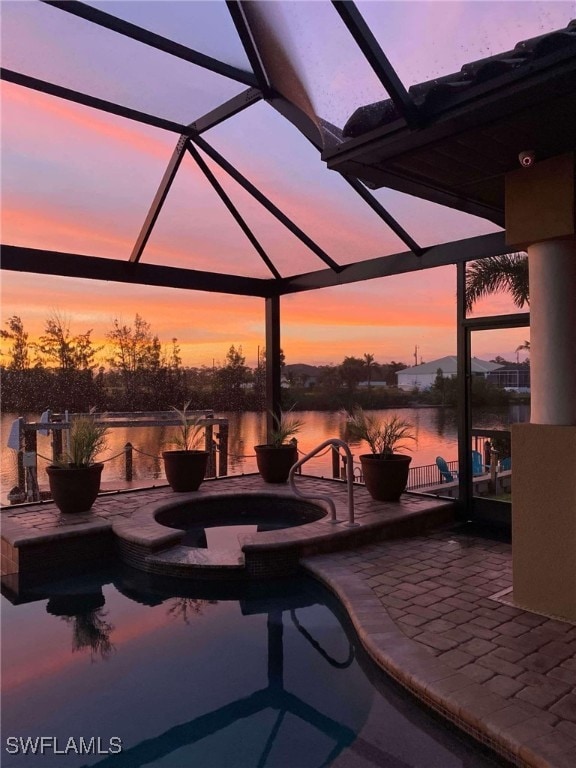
point(133, 371)
point(136, 371)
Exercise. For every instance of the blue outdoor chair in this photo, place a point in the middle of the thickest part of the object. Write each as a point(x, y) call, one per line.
point(477, 463)
point(445, 473)
point(506, 464)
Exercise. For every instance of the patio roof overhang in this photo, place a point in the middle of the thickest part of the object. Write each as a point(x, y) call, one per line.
point(468, 133)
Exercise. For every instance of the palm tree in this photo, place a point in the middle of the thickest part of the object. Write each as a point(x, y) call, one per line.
point(498, 273)
point(525, 346)
point(369, 363)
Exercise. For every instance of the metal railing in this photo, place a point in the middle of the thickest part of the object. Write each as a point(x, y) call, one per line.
point(336, 443)
point(428, 475)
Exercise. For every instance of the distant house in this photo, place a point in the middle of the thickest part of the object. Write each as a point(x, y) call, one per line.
point(512, 376)
point(423, 376)
point(300, 375)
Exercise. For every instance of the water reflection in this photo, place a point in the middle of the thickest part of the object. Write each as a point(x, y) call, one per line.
point(436, 430)
point(184, 608)
point(85, 614)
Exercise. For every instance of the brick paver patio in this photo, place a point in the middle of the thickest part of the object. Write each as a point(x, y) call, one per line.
point(517, 668)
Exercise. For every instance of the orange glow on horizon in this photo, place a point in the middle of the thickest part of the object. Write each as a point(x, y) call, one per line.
point(386, 317)
point(76, 234)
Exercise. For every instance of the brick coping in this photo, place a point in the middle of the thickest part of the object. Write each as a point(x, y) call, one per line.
point(131, 517)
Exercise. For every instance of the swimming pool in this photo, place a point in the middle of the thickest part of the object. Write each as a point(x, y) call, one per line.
point(215, 522)
point(183, 675)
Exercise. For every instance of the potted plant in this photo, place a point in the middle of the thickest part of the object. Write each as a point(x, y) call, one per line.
point(385, 472)
point(274, 459)
point(185, 467)
point(75, 478)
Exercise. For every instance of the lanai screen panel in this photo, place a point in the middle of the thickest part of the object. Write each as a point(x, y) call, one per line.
point(386, 317)
point(288, 254)
point(53, 45)
point(204, 25)
point(195, 230)
point(83, 182)
point(288, 170)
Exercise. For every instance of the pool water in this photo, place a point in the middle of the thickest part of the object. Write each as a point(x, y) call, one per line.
point(203, 676)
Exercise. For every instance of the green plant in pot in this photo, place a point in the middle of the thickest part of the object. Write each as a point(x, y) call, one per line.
point(75, 478)
point(275, 458)
point(385, 471)
point(185, 467)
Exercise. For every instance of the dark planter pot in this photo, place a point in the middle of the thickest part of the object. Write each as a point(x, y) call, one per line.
point(185, 470)
point(74, 489)
point(274, 462)
point(386, 477)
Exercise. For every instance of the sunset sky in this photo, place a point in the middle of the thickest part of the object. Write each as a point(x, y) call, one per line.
point(77, 180)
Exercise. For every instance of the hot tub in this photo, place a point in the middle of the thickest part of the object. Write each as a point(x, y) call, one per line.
point(216, 522)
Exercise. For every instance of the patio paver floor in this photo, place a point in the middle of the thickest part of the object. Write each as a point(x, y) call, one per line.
point(507, 675)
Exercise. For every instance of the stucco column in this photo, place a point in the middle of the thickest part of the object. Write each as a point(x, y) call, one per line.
point(541, 218)
point(552, 270)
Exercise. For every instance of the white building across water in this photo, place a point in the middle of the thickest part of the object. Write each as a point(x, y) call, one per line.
point(423, 376)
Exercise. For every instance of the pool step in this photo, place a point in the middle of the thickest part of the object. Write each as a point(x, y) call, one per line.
point(178, 558)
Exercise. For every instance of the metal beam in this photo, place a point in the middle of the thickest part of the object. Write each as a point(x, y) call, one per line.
point(378, 60)
point(106, 20)
point(16, 258)
point(90, 101)
point(245, 34)
point(263, 200)
point(228, 109)
point(19, 259)
point(273, 367)
point(231, 208)
point(159, 199)
point(378, 208)
point(493, 322)
point(398, 263)
point(464, 398)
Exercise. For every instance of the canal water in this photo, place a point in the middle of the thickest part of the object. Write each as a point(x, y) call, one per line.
point(435, 429)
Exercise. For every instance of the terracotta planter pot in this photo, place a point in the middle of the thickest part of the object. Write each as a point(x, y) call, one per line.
point(385, 477)
point(185, 470)
point(274, 462)
point(74, 489)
